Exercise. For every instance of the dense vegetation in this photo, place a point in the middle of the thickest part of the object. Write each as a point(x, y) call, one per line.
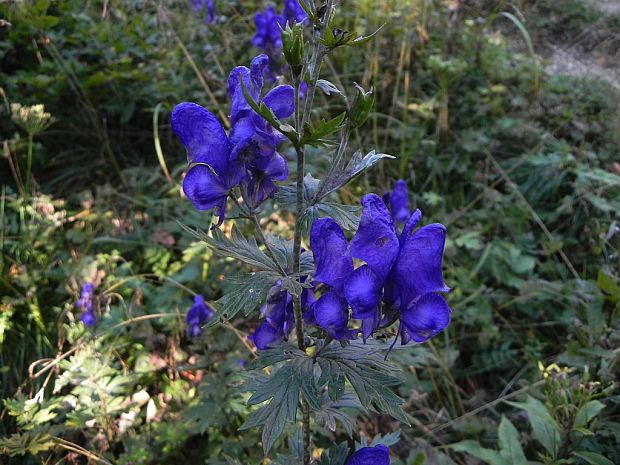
point(521, 167)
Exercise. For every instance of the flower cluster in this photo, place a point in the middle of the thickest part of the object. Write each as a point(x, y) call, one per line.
point(32, 119)
point(198, 315)
point(200, 6)
point(376, 455)
point(245, 158)
point(400, 277)
point(280, 316)
point(269, 23)
point(85, 305)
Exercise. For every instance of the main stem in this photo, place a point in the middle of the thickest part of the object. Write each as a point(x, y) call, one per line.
point(300, 119)
point(299, 329)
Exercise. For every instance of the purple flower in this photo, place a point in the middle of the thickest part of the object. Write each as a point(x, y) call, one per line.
point(200, 5)
point(293, 11)
point(88, 318)
point(247, 157)
point(398, 201)
point(280, 316)
point(198, 315)
point(403, 272)
point(268, 26)
point(85, 304)
point(377, 455)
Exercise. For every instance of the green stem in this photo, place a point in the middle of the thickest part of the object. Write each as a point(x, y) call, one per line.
point(261, 238)
point(300, 120)
point(29, 164)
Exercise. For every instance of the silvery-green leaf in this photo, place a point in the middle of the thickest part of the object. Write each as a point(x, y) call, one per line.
point(327, 87)
point(358, 163)
point(388, 440)
point(332, 412)
point(239, 247)
point(344, 215)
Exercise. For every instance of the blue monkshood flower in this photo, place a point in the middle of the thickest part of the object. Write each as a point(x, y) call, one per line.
point(268, 26)
point(293, 11)
point(280, 316)
point(198, 315)
point(88, 318)
point(247, 157)
point(402, 271)
point(377, 455)
point(85, 304)
point(200, 5)
point(398, 202)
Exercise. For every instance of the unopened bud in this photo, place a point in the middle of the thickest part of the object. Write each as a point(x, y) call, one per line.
point(293, 46)
point(360, 109)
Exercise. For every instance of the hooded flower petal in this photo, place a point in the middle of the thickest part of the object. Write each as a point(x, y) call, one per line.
point(281, 100)
point(87, 290)
point(426, 317)
point(198, 315)
point(375, 241)
point(362, 290)
point(265, 335)
point(293, 11)
point(280, 312)
point(329, 247)
point(280, 319)
point(331, 313)
point(413, 221)
point(253, 81)
point(88, 318)
point(202, 135)
point(399, 202)
point(377, 455)
point(418, 267)
point(204, 188)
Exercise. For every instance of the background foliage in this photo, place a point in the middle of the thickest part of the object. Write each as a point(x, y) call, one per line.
point(521, 166)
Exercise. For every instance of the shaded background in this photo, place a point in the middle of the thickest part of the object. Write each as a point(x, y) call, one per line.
point(505, 122)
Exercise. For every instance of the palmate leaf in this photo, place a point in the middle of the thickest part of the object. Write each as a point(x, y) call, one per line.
point(344, 215)
point(250, 291)
point(367, 372)
point(239, 247)
point(332, 412)
point(336, 455)
point(281, 392)
point(29, 442)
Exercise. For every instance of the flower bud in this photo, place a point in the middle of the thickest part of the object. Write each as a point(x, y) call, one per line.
point(363, 103)
point(293, 46)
